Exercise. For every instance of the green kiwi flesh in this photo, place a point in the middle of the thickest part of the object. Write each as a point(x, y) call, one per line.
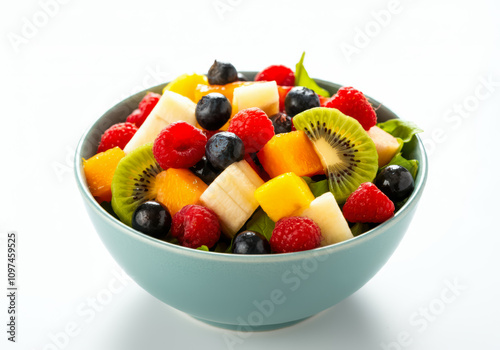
point(347, 152)
point(134, 182)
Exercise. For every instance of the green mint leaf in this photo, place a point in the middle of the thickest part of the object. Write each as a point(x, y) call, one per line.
point(203, 247)
point(261, 223)
point(302, 79)
point(317, 188)
point(359, 228)
point(400, 129)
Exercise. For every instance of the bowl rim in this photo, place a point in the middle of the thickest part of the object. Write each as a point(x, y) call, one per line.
point(241, 258)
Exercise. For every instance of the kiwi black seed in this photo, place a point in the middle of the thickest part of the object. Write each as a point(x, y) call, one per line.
point(347, 152)
point(134, 182)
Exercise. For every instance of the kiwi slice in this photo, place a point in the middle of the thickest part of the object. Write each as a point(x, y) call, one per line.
point(134, 182)
point(347, 152)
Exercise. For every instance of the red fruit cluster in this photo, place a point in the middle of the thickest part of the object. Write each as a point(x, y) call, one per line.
point(139, 115)
point(117, 135)
point(294, 234)
point(253, 127)
point(368, 204)
point(353, 103)
point(179, 145)
point(195, 225)
point(279, 73)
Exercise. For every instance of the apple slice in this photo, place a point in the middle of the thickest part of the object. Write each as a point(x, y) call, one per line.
point(387, 145)
point(262, 95)
point(170, 108)
point(325, 211)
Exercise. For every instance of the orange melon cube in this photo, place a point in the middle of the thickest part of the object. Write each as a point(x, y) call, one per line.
point(290, 152)
point(99, 171)
point(177, 188)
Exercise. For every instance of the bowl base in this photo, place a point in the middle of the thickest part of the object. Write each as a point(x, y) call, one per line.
point(248, 328)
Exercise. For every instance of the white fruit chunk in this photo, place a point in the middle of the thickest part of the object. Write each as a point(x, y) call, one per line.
point(238, 185)
point(325, 211)
point(387, 145)
point(231, 196)
point(231, 216)
point(170, 108)
point(262, 95)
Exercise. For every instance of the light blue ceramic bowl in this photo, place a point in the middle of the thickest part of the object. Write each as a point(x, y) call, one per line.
point(248, 293)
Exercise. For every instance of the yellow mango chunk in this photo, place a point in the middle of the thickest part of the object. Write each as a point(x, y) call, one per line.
point(283, 196)
point(186, 84)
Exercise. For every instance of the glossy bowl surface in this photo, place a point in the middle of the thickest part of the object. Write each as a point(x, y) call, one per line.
point(247, 293)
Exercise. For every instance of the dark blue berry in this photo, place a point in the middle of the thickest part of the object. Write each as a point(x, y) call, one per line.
point(205, 171)
point(281, 123)
point(153, 219)
point(223, 149)
point(300, 99)
point(242, 77)
point(250, 242)
point(213, 111)
point(222, 73)
point(396, 182)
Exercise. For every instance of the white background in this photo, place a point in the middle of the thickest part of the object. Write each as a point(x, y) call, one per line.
point(424, 60)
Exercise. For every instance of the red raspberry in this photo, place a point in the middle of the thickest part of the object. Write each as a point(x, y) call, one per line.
point(368, 204)
point(139, 115)
point(179, 145)
point(253, 127)
point(117, 135)
point(283, 91)
point(281, 74)
point(294, 234)
point(136, 117)
point(353, 103)
point(195, 225)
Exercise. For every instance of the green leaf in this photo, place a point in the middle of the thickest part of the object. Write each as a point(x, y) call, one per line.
point(410, 165)
point(359, 228)
point(400, 129)
point(302, 79)
point(203, 247)
point(261, 223)
point(317, 188)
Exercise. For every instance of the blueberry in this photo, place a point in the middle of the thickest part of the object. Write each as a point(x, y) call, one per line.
point(250, 242)
point(396, 182)
point(213, 111)
point(242, 77)
point(282, 123)
point(222, 73)
point(300, 99)
point(205, 171)
point(223, 149)
point(153, 219)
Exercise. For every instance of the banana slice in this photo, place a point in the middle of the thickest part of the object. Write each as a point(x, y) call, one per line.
point(238, 186)
point(230, 214)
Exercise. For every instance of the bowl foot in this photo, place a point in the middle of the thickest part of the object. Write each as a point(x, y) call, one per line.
point(248, 328)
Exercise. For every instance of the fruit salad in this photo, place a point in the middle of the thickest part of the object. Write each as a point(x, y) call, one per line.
point(275, 165)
